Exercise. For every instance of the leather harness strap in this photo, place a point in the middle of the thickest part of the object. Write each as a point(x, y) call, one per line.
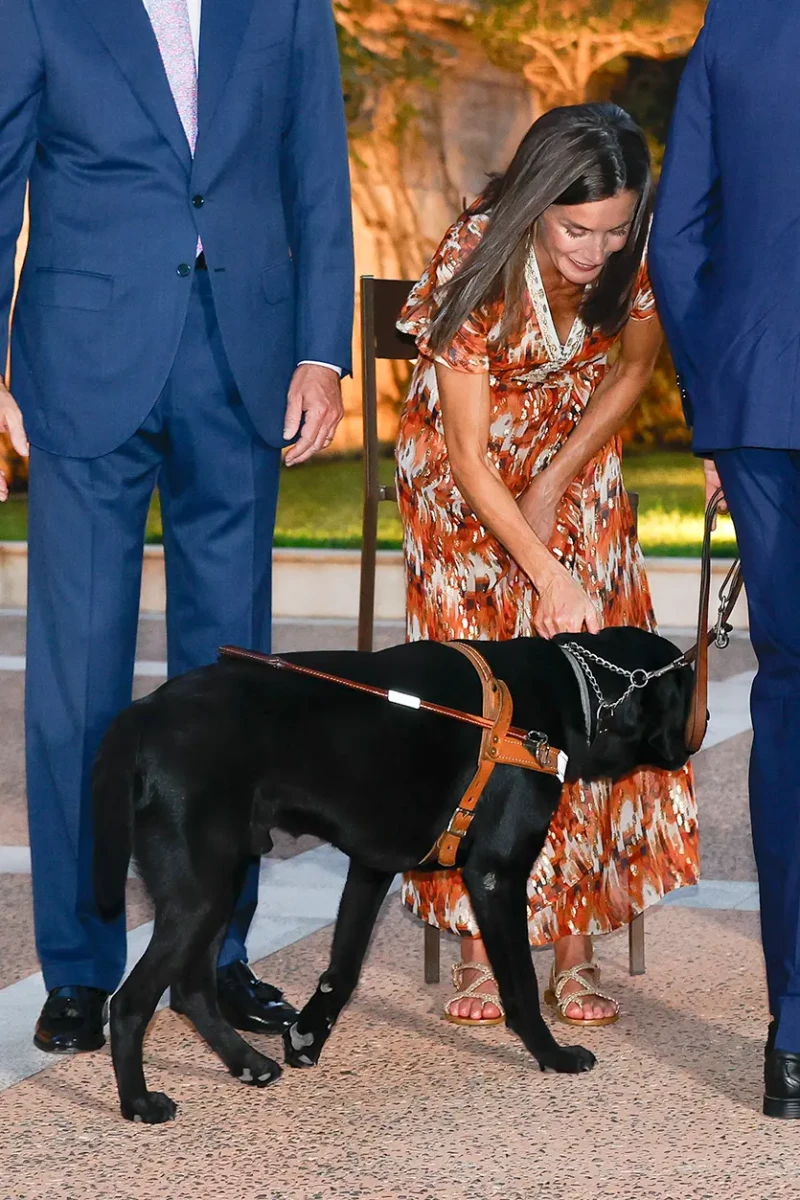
point(496, 747)
point(498, 707)
point(500, 742)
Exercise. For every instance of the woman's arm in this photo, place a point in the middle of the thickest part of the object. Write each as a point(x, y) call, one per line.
point(466, 404)
point(605, 413)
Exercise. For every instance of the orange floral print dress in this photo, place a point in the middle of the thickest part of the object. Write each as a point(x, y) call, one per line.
point(611, 850)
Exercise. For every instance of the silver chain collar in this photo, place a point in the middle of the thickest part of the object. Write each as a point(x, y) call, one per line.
point(637, 679)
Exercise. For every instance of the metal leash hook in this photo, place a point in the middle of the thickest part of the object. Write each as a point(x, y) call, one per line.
point(727, 599)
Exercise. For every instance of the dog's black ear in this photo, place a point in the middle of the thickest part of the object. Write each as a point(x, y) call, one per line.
point(667, 710)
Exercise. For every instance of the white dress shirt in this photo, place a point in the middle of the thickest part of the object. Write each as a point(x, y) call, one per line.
point(194, 7)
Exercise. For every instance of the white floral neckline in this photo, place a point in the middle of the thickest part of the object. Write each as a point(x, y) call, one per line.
point(558, 352)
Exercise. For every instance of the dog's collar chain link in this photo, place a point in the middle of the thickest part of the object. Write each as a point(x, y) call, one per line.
point(637, 679)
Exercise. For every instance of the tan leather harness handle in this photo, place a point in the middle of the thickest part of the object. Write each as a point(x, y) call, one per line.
point(516, 748)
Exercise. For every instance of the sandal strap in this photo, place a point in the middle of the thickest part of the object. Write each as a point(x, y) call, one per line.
point(484, 997)
point(471, 992)
point(483, 974)
point(574, 974)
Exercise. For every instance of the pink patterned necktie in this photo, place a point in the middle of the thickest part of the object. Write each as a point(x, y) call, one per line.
point(170, 21)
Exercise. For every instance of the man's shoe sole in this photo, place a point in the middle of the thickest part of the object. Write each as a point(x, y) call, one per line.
point(55, 1048)
point(786, 1110)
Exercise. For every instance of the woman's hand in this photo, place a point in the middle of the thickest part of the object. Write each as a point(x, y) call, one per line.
point(539, 506)
point(564, 607)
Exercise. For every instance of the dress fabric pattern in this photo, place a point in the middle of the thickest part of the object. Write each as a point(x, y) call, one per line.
point(611, 850)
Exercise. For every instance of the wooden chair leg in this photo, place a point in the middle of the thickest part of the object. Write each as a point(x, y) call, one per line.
point(636, 962)
point(369, 525)
point(432, 946)
point(366, 601)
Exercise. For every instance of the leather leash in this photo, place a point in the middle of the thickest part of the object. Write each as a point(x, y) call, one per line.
point(697, 722)
point(500, 741)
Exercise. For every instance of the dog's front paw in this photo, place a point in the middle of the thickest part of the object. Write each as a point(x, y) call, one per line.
point(301, 1049)
point(568, 1060)
point(257, 1072)
point(154, 1108)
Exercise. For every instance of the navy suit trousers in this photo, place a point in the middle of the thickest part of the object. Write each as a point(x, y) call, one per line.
point(762, 488)
point(218, 483)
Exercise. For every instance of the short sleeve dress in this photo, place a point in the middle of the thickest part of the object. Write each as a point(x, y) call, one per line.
point(612, 850)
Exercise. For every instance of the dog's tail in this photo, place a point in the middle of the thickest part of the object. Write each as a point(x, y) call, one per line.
point(116, 792)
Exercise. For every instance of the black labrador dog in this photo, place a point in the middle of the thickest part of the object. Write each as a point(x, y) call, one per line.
point(193, 778)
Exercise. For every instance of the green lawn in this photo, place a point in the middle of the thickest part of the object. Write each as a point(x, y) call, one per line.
point(320, 505)
point(671, 505)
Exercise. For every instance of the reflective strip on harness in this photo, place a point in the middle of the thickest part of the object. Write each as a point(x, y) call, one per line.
point(404, 699)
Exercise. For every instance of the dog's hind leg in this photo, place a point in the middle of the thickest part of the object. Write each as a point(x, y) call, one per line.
point(364, 892)
point(195, 995)
point(498, 895)
point(135, 1002)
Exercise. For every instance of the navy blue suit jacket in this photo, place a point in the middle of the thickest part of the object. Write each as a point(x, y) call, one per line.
point(117, 203)
point(725, 246)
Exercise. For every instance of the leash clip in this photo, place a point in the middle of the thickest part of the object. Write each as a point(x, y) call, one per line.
point(722, 634)
point(728, 595)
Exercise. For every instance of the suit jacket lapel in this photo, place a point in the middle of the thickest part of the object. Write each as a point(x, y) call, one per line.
point(124, 28)
point(222, 27)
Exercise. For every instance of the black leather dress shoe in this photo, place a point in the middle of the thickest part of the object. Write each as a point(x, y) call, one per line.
point(72, 1020)
point(250, 1004)
point(782, 1085)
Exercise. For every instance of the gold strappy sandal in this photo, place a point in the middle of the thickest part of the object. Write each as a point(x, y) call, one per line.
point(554, 995)
point(484, 974)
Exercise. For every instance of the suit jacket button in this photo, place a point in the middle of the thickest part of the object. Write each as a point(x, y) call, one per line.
point(198, 201)
point(184, 269)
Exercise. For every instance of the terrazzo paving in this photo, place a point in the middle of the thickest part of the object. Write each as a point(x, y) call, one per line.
point(403, 1105)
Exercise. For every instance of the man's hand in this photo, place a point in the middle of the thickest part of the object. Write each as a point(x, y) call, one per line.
point(713, 484)
point(12, 424)
point(316, 394)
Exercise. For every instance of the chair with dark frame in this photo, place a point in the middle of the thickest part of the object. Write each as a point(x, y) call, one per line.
point(381, 302)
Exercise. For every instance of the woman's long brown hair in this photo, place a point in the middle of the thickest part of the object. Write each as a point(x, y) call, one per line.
point(571, 155)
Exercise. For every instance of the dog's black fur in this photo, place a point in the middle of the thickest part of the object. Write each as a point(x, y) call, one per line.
point(193, 778)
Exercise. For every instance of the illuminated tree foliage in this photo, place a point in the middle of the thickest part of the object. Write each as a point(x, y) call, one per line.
point(559, 45)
